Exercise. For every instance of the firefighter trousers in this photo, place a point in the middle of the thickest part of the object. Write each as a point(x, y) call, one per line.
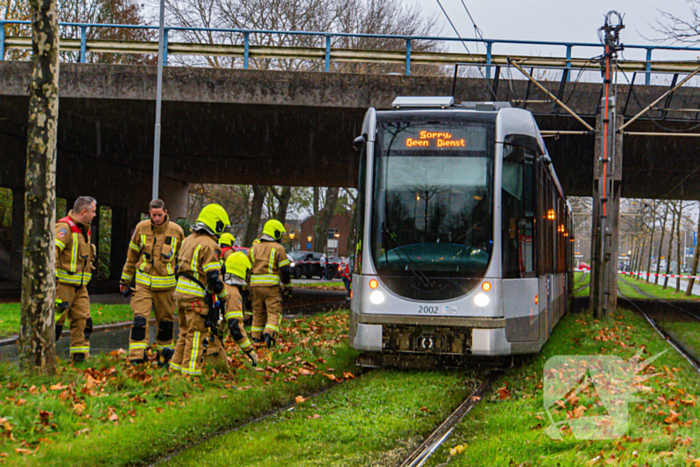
point(78, 315)
point(267, 310)
point(143, 301)
point(189, 350)
point(215, 352)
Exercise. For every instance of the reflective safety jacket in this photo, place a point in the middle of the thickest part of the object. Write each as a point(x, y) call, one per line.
point(151, 255)
point(199, 255)
point(74, 252)
point(267, 259)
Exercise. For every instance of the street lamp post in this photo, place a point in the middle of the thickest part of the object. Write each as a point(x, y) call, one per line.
point(159, 92)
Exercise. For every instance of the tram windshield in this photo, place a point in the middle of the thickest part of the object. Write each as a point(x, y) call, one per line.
point(433, 198)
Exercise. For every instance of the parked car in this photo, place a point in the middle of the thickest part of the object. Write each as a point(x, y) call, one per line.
point(583, 266)
point(305, 263)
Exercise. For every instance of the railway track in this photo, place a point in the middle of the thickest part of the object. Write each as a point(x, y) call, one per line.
point(422, 453)
point(694, 362)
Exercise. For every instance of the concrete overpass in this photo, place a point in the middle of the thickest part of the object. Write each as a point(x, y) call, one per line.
point(287, 128)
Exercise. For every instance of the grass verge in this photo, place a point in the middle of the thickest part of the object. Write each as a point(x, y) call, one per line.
point(509, 429)
point(110, 414)
point(685, 331)
point(326, 285)
point(657, 291)
point(101, 314)
point(374, 421)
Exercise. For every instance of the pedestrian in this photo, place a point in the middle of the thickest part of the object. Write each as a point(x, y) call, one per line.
point(151, 258)
point(199, 286)
point(74, 257)
point(346, 275)
point(324, 265)
point(270, 271)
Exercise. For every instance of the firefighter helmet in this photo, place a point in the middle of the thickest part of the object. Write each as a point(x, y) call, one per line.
point(239, 265)
point(226, 239)
point(214, 218)
point(274, 229)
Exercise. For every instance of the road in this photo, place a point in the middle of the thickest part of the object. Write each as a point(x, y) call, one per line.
point(672, 283)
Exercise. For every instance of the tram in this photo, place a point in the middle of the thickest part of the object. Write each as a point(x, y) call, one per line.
point(465, 238)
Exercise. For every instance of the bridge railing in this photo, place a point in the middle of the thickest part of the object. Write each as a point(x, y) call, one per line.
point(406, 54)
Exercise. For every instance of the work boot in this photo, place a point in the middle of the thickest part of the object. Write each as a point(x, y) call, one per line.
point(255, 340)
point(59, 331)
point(78, 357)
point(253, 356)
point(269, 341)
point(164, 357)
point(136, 361)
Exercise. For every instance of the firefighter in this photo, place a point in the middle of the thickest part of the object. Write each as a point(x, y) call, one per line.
point(270, 267)
point(199, 284)
point(151, 257)
point(74, 257)
point(346, 275)
point(226, 243)
point(237, 274)
point(215, 352)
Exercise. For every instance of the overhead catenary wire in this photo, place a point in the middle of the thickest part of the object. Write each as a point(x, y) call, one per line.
point(461, 39)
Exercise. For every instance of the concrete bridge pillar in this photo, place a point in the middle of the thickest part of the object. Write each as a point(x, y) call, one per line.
point(17, 235)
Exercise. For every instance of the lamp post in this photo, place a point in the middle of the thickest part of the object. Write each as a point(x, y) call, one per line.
point(159, 93)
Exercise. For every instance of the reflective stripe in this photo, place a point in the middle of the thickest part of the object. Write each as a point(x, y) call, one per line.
point(155, 282)
point(211, 266)
point(192, 372)
point(74, 254)
point(174, 245)
point(265, 279)
point(245, 344)
point(161, 347)
point(234, 315)
point(270, 270)
point(195, 350)
point(134, 247)
point(137, 345)
point(60, 244)
point(175, 366)
point(126, 277)
point(274, 328)
point(78, 278)
point(284, 262)
point(186, 286)
point(195, 258)
point(169, 267)
point(256, 329)
point(82, 349)
point(143, 241)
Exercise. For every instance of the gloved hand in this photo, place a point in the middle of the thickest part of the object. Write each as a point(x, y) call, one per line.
point(253, 356)
point(287, 292)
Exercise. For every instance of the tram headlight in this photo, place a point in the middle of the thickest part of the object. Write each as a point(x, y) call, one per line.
point(376, 297)
point(480, 299)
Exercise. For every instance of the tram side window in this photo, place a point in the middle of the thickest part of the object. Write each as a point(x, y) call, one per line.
point(360, 229)
point(518, 211)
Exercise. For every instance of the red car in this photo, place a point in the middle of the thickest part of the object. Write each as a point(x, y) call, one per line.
point(583, 267)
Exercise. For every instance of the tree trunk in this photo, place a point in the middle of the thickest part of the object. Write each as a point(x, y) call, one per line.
point(661, 245)
point(283, 198)
point(651, 242)
point(37, 346)
point(323, 219)
point(678, 247)
point(670, 247)
point(640, 256)
point(251, 232)
point(352, 232)
point(696, 257)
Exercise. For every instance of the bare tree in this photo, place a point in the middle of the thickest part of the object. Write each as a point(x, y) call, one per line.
point(670, 242)
point(661, 242)
point(677, 28)
point(37, 336)
point(696, 258)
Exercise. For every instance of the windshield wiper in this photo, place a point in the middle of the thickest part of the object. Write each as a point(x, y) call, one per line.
point(410, 264)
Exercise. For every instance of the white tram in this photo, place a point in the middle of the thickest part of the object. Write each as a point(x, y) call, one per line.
point(464, 235)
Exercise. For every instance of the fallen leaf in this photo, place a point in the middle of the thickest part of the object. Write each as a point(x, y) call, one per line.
point(299, 399)
point(504, 393)
point(315, 417)
point(55, 387)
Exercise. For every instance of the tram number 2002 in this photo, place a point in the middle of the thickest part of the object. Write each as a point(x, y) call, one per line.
point(428, 310)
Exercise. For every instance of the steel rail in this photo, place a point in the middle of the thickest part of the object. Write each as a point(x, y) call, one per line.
point(421, 454)
point(692, 360)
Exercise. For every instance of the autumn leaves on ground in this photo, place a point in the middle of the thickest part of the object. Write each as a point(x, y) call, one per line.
point(106, 413)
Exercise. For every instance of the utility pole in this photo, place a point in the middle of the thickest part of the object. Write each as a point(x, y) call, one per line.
point(607, 175)
point(159, 98)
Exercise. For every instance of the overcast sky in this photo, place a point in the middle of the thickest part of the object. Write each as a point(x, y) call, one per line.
point(552, 20)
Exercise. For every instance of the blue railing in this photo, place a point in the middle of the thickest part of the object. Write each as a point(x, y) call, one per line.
point(488, 43)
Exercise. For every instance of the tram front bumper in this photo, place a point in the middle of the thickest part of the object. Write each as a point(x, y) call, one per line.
point(450, 336)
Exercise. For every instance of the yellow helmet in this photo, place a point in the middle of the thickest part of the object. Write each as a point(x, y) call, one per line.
point(214, 218)
point(239, 265)
point(226, 239)
point(274, 229)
